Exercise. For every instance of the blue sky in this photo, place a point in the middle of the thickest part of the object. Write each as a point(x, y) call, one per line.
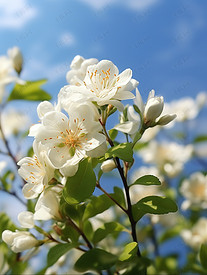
point(163, 42)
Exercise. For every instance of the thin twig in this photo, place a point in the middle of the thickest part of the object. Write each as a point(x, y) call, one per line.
point(126, 187)
point(70, 221)
point(109, 196)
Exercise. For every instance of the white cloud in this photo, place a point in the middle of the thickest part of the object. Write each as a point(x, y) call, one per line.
point(15, 14)
point(66, 39)
point(138, 5)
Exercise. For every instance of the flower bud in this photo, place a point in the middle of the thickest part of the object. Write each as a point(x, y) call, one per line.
point(108, 165)
point(17, 59)
point(26, 219)
point(153, 108)
point(19, 240)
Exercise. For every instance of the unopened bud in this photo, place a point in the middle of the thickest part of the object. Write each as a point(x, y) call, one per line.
point(17, 59)
point(108, 165)
point(19, 240)
point(153, 109)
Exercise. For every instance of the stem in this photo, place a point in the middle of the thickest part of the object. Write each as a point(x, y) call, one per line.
point(70, 221)
point(129, 210)
point(110, 197)
point(124, 180)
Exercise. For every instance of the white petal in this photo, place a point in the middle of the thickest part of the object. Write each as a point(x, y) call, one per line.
point(28, 191)
point(128, 127)
point(121, 95)
point(138, 101)
point(69, 170)
point(124, 77)
point(26, 219)
point(43, 108)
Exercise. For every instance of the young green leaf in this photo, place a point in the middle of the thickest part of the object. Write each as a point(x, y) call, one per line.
point(147, 180)
point(130, 250)
point(57, 251)
point(123, 151)
point(29, 91)
point(113, 133)
point(95, 259)
point(81, 185)
point(153, 205)
point(105, 230)
point(96, 206)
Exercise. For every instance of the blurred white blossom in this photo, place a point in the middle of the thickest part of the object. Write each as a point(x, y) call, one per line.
point(197, 235)
point(194, 190)
point(169, 158)
point(14, 122)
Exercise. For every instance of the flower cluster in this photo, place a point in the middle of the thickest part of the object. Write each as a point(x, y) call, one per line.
point(71, 131)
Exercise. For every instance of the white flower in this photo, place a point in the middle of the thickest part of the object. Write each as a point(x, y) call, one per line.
point(47, 206)
point(19, 240)
point(17, 59)
point(26, 219)
point(108, 165)
point(36, 171)
point(168, 157)
point(194, 190)
point(104, 85)
point(69, 139)
point(197, 235)
point(78, 70)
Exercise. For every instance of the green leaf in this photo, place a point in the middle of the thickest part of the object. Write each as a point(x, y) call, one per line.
point(29, 91)
point(147, 180)
point(201, 138)
point(113, 133)
point(119, 196)
point(130, 250)
point(123, 151)
point(57, 251)
point(81, 185)
point(203, 255)
point(153, 205)
point(5, 224)
point(95, 259)
point(105, 230)
point(96, 206)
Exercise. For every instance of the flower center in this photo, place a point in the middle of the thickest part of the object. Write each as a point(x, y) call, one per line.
point(73, 138)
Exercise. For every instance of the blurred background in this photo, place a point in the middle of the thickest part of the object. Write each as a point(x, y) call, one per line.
point(163, 42)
